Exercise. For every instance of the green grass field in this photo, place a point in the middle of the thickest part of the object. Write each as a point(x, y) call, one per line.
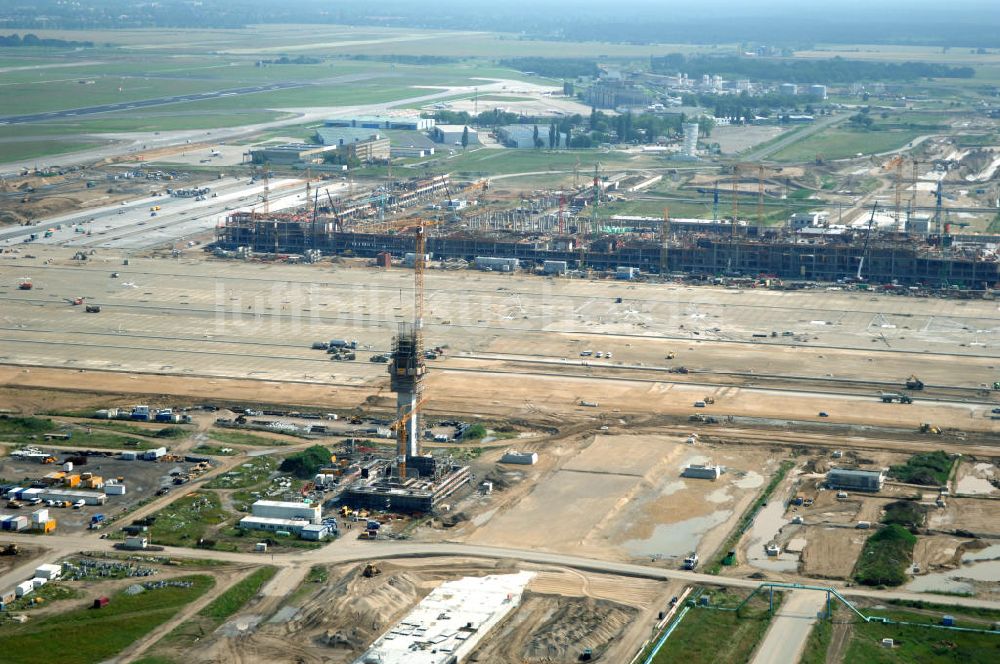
point(187, 520)
point(23, 150)
point(720, 637)
point(212, 616)
point(843, 143)
point(85, 635)
point(921, 644)
point(244, 476)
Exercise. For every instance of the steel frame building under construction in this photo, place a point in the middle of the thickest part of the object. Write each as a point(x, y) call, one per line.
point(707, 248)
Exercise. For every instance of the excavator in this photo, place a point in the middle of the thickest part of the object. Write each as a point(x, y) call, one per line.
point(370, 570)
point(914, 383)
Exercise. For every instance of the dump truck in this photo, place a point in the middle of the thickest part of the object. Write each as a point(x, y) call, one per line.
point(889, 397)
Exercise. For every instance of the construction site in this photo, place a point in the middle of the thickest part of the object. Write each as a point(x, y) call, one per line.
point(575, 231)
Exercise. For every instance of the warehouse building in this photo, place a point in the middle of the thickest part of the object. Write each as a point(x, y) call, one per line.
point(408, 122)
point(702, 471)
point(523, 136)
point(523, 458)
point(855, 480)
point(71, 495)
point(452, 134)
point(290, 153)
point(293, 526)
point(276, 509)
point(340, 136)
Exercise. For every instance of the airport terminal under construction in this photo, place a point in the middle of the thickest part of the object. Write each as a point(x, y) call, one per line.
point(541, 229)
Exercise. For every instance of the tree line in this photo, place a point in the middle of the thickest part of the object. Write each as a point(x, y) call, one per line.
point(30, 39)
point(833, 70)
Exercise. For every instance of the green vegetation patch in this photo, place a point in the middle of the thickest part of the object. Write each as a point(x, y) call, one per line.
point(231, 601)
point(217, 612)
point(89, 635)
point(720, 637)
point(10, 424)
point(886, 557)
point(920, 644)
point(819, 640)
point(927, 468)
point(186, 521)
point(906, 513)
point(474, 432)
point(844, 143)
point(306, 464)
point(250, 474)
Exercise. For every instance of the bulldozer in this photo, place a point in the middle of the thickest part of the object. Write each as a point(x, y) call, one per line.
point(370, 570)
point(927, 427)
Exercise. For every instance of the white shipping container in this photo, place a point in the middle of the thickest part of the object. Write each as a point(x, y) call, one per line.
point(24, 588)
point(114, 489)
point(40, 516)
point(38, 582)
point(68, 466)
point(48, 571)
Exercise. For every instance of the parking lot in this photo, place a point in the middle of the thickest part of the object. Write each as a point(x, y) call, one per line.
point(142, 480)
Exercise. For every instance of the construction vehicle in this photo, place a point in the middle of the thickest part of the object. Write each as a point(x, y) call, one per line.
point(25, 284)
point(927, 427)
point(709, 400)
point(671, 355)
point(93, 309)
point(691, 561)
point(889, 397)
point(49, 459)
point(914, 383)
point(9, 550)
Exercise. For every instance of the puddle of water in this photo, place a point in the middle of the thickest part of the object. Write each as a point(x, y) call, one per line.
point(989, 553)
point(719, 496)
point(955, 580)
point(751, 480)
point(765, 528)
point(767, 524)
point(974, 485)
point(783, 562)
point(676, 539)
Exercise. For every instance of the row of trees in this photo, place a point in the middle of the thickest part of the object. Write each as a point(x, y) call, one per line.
point(832, 70)
point(29, 39)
